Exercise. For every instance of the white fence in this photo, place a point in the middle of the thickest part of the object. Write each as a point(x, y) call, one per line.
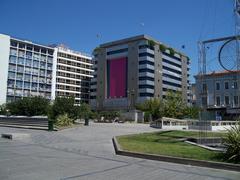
point(183, 124)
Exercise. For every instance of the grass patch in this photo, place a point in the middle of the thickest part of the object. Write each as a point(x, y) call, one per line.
point(169, 143)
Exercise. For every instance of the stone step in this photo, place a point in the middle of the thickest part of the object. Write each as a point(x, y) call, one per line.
point(25, 126)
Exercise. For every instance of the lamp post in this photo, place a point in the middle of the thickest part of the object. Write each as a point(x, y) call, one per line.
point(7, 112)
point(232, 97)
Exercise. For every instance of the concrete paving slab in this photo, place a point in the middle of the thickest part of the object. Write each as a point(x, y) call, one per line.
point(86, 153)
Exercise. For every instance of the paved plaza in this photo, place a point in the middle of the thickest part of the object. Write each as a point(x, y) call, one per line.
point(87, 153)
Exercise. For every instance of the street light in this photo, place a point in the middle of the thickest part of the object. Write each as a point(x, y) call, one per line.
point(7, 112)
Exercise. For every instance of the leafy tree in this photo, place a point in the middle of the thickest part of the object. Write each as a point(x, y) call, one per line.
point(61, 106)
point(232, 143)
point(191, 112)
point(153, 107)
point(29, 106)
point(83, 111)
point(174, 105)
point(3, 109)
point(147, 116)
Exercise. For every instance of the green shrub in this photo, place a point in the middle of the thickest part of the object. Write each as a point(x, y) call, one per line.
point(63, 121)
point(232, 143)
point(109, 114)
point(3, 109)
point(96, 50)
point(147, 117)
point(172, 51)
point(151, 43)
point(29, 106)
point(162, 48)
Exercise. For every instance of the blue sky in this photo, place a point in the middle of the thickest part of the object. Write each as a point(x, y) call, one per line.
point(76, 23)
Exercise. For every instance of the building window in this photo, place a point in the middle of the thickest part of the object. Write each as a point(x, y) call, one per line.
point(146, 70)
point(235, 85)
point(204, 88)
point(13, 59)
point(14, 43)
point(174, 57)
point(21, 45)
point(11, 83)
point(146, 54)
point(12, 67)
point(36, 48)
point(226, 100)
point(49, 59)
point(21, 61)
point(28, 55)
point(28, 62)
point(13, 52)
point(11, 75)
point(218, 101)
point(29, 47)
point(21, 53)
point(217, 86)
point(26, 85)
point(20, 69)
point(204, 101)
point(146, 62)
point(43, 50)
point(117, 51)
point(172, 77)
point(27, 70)
point(226, 85)
point(146, 94)
point(235, 99)
point(19, 84)
point(171, 70)
point(50, 52)
point(172, 63)
point(172, 84)
point(146, 86)
point(35, 64)
point(146, 78)
point(27, 77)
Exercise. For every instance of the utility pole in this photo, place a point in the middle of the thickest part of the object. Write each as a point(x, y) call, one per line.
point(237, 16)
point(237, 33)
point(237, 29)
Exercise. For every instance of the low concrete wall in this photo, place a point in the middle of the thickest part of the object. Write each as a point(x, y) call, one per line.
point(133, 115)
point(35, 122)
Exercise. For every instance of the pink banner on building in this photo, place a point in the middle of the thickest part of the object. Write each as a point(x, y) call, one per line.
point(117, 77)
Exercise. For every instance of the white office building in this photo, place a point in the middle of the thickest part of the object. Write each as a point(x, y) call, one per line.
point(31, 69)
